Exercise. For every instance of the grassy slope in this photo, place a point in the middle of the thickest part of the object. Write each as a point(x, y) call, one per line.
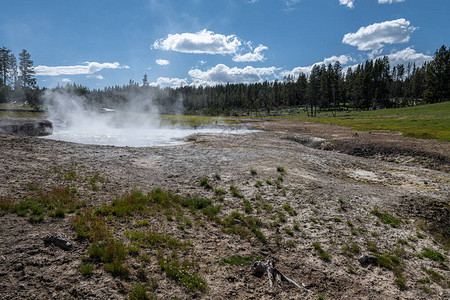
point(425, 121)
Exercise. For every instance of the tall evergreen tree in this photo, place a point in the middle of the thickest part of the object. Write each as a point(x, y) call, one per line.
point(26, 70)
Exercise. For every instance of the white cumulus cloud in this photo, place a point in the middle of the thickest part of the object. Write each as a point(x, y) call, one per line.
point(256, 55)
point(376, 35)
point(87, 68)
point(348, 3)
point(169, 82)
point(162, 62)
point(202, 42)
point(408, 55)
point(222, 74)
point(390, 1)
point(343, 60)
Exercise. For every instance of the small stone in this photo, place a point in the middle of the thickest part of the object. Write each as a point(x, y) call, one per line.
point(18, 267)
point(58, 239)
point(367, 259)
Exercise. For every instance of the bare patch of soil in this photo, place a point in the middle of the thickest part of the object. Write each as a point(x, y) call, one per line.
point(325, 197)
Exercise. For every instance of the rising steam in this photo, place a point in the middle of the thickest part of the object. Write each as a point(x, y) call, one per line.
point(134, 124)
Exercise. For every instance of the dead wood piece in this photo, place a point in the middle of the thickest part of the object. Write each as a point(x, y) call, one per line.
point(268, 267)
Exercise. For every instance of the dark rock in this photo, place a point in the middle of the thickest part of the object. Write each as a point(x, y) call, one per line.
point(18, 267)
point(26, 126)
point(58, 239)
point(367, 259)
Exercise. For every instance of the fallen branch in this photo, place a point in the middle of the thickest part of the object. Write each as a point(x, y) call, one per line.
point(268, 267)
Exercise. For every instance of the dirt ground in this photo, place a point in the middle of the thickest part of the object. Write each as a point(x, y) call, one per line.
point(335, 178)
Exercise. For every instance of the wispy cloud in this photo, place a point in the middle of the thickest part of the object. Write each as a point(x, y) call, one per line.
point(390, 1)
point(376, 35)
point(87, 68)
point(162, 62)
point(100, 77)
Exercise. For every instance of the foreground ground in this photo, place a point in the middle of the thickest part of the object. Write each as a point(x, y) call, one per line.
point(313, 197)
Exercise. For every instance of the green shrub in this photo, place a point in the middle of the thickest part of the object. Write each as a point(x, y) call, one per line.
point(247, 206)
point(235, 192)
point(322, 253)
point(180, 273)
point(139, 292)
point(204, 182)
point(86, 268)
point(387, 218)
point(253, 172)
point(281, 170)
point(237, 260)
point(434, 255)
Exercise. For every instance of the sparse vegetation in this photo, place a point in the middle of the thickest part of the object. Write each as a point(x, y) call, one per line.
point(238, 260)
point(322, 253)
point(205, 183)
point(139, 292)
point(235, 192)
point(181, 272)
point(288, 208)
point(386, 218)
point(434, 255)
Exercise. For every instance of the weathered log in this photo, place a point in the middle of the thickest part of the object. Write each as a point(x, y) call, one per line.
point(268, 267)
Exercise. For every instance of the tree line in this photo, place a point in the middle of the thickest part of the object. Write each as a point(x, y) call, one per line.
point(17, 82)
point(374, 84)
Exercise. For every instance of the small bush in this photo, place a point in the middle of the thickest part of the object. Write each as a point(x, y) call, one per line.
point(253, 172)
point(269, 182)
point(387, 218)
point(235, 192)
point(289, 231)
point(139, 292)
point(204, 182)
point(322, 253)
point(435, 275)
point(352, 249)
point(217, 176)
point(434, 255)
point(219, 192)
point(195, 203)
point(289, 209)
point(86, 268)
point(281, 170)
point(247, 206)
point(401, 282)
point(258, 184)
point(180, 273)
point(237, 260)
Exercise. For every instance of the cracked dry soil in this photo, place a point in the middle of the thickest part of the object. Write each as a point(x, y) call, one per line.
point(335, 177)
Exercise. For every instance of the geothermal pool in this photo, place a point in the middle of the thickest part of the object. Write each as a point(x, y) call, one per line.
point(136, 137)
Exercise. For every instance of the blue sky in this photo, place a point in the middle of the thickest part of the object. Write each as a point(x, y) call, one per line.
point(101, 43)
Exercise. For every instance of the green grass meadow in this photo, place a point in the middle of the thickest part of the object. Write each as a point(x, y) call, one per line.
point(431, 121)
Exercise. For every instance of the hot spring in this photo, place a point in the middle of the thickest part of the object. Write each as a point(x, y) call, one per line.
point(134, 124)
point(134, 137)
